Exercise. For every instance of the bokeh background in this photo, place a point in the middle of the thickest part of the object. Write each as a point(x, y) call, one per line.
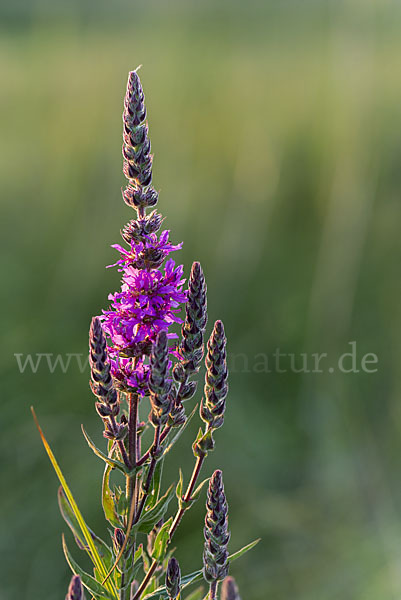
point(277, 141)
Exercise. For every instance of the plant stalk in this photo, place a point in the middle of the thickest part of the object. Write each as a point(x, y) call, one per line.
point(132, 445)
point(213, 590)
point(146, 488)
point(121, 446)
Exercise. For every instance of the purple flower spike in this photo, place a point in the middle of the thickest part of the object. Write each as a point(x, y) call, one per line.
point(151, 295)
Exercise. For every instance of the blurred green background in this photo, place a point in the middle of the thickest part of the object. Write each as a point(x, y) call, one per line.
point(277, 141)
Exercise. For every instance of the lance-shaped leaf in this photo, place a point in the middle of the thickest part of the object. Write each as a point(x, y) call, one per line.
point(71, 520)
point(149, 519)
point(94, 555)
point(243, 550)
point(93, 586)
point(196, 595)
point(108, 503)
point(179, 488)
point(156, 483)
point(161, 541)
point(132, 569)
point(108, 460)
point(187, 580)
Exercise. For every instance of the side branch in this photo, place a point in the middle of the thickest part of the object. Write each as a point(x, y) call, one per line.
point(174, 525)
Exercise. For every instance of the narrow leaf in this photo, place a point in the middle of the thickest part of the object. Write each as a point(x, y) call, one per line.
point(195, 494)
point(93, 586)
point(69, 517)
point(110, 461)
point(84, 528)
point(161, 541)
point(149, 519)
point(108, 499)
point(196, 595)
point(178, 489)
point(243, 550)
point(156, 483)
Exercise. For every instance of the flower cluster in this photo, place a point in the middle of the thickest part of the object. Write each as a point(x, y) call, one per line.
point(148, 303)
point(151, 294)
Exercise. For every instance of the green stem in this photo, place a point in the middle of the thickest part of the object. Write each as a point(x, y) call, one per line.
point(180, 513)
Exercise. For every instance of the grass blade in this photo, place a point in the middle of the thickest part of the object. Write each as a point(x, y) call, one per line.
point(85, 531)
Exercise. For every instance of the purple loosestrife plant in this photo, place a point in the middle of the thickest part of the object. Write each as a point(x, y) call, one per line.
point(137, 358)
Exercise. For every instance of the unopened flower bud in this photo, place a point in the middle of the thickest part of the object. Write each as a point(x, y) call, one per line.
point(173, 578)
point(137, 230)
point(188, 390)
point(179, 373)
point(118, 539)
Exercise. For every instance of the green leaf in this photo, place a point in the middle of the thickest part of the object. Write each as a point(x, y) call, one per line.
point(110, 461)
point(145, 559)
point(179, 432)
point(180, 484)
point(131, 569)
point(149, 519)
point(196, 493)
point(108, 499)
point(71, 520)
point(243, 550)
point(156, 483)
point(186, 504)
point(121, 502)
point(138, 553)
point(188, 580)
point(196, 595)
point(161, 541)
point(94, 555)
point(93, 586)
point(69, 517)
